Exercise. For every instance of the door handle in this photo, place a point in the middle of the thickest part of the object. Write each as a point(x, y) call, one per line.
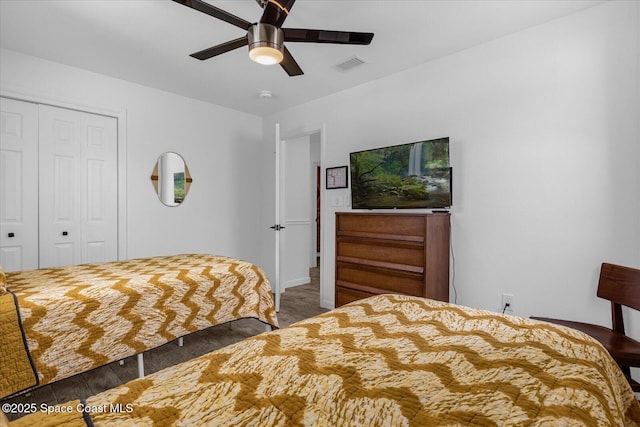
point(278, 227)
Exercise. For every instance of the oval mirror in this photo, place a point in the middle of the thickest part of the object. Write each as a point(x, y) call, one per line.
point(171, 178)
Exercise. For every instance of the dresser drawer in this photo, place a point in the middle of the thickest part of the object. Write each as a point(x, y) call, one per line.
point(398, 224)
point(380, 250)
point(382, 279)
point(346, 295)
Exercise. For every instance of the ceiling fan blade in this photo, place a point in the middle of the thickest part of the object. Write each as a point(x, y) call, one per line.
point(221, 48)
point(276, 11)
point(215, 12)
point(325, 36)
point(290, 65)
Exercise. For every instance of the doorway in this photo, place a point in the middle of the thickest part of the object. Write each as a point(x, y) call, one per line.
point(300, 210)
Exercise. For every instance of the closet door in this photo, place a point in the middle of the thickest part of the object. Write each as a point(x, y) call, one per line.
point(78, 187)
point(18, 185)
point(99, 135)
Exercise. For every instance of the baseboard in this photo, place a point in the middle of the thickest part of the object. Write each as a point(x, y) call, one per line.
point(296, 282)
point(330, 305)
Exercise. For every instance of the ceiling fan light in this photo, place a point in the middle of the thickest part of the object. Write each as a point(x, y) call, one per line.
point(266, 55)
point(266, 44)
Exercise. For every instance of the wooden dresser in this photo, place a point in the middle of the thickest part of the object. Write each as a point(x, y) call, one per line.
point(404, 253)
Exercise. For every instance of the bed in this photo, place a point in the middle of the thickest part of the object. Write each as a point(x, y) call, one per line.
point(387, 360)
point(58, 322)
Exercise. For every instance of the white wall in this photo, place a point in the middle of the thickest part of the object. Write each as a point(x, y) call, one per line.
point(221, 147)
point(545, 150)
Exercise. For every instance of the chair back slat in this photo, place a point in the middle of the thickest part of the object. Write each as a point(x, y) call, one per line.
point(620, 285)
point(617, 321)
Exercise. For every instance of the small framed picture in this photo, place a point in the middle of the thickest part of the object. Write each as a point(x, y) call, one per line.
point(337, 177)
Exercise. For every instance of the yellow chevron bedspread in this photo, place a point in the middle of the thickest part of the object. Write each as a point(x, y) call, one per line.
point(389, 360)
point(15, 366)
point(81, 317)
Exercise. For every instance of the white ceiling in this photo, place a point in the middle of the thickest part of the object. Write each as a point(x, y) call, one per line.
point(149, 41)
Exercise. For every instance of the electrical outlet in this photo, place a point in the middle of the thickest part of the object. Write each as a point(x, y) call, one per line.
point(507, 303)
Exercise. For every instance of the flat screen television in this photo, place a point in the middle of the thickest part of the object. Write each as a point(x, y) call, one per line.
point(406, 176)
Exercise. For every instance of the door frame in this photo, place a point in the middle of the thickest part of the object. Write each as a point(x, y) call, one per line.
point(120, 114)
point(293, 134)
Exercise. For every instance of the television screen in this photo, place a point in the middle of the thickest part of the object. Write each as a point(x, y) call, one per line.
point(406, 176)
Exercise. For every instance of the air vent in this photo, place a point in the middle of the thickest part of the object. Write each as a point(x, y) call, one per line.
point(350, 64)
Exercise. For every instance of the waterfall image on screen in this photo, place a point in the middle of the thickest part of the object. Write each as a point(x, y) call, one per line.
point(414, 175)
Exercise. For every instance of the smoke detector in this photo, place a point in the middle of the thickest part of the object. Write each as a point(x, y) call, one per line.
point(265, 94)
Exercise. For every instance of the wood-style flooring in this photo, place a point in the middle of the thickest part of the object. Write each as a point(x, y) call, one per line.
point(297, 303)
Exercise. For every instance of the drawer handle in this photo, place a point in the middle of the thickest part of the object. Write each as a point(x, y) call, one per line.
point(65, 233)
point(11, 235)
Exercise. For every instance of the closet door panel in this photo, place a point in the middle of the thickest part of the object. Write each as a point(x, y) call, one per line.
point(100, 176)
point(18, 185)
point(60, 213)
point(63, 229)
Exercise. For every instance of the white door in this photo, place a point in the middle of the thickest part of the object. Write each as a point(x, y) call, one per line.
point(277, 227)
point(19, 185)
point(78, 187)
point(295, 214)
point(293, 219)
point(100, 192)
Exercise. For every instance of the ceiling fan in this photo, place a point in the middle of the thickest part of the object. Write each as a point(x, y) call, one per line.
point(266, 38)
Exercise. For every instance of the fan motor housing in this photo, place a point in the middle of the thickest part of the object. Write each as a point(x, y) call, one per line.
point(265, 35)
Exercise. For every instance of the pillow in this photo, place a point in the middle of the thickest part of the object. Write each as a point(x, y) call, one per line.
point(3, 282)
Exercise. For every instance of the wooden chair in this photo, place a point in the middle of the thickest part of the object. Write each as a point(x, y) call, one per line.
point(621, 286)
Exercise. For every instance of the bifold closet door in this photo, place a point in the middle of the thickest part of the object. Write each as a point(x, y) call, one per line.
point(78, 219)
point(18, 185)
